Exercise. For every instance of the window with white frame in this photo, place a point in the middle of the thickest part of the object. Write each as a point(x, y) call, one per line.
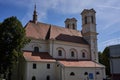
point(60, 52)
point(73, 53)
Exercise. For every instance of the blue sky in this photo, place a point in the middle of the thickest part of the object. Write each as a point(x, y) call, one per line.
point(56, 11)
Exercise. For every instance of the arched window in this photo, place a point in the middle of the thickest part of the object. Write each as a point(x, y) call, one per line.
point(33, 78)
point(92, 19)
point(72, 54)
point(59, 52)
point(83, 55)
point(48, 77)
point(72, 74)
point(85, 19)
point(36, 49)
point(73, 26)
point(97, 73)
point(86, 73)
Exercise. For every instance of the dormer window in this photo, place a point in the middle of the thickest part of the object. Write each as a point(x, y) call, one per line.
point(36, 49)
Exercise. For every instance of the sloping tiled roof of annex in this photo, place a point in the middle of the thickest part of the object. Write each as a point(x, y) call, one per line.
point(41, 56)
point(45, 57)
point(46, 31)
point(80, 64)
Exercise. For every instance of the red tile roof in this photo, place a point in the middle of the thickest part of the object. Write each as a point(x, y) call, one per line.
point(47, 31)
point(69, 38)
point(36, 31)
point(80, 64)
point(42, 56)
point(45, 57)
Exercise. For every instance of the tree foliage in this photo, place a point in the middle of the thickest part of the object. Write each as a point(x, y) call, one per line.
point(12, 39)
point(100, 57)
point(104, 59)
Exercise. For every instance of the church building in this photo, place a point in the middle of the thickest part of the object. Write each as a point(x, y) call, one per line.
point(62, 53)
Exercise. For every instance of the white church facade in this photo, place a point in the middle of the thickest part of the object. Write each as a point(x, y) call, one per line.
point(58, 53)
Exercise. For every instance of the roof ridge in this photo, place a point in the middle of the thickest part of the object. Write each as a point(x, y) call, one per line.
point(53, 25)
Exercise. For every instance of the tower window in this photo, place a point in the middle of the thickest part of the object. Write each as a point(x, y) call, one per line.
point(48, 78)
point(59, 52)
point(83, 55)
point(68, 26)
point(72, 74)
point(85, 19)
point(36, 49)
point(72, 54)
point(33, 78)
point(73, 26)
point(34, 66)
point(92, 20)
point(48, 66)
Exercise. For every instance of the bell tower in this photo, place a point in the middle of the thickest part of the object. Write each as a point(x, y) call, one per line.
point(89, 31)
point(71, 23)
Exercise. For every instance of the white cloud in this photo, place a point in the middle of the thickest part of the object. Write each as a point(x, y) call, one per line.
point(111, 42)
point(104, 8)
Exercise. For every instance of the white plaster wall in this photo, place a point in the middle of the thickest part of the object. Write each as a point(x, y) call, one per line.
point(51, 47)
point(42, 44)
point(67, 46)
point(58, 71)
point(79, 73)
point(41, 70)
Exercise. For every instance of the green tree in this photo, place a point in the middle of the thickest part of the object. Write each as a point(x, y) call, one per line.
point(104, 59)
point(100, 57)
point(12, 39)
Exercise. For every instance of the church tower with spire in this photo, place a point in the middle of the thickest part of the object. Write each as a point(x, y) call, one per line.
point(35, 15)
